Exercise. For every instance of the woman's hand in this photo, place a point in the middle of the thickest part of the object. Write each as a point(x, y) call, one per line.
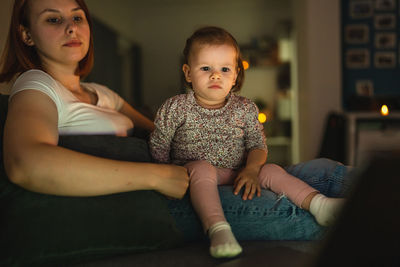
point(247, 178)
point(172, 180)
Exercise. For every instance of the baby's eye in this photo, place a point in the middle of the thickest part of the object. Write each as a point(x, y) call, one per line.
point(205, 68)
point(225, 69)
point(54, 20)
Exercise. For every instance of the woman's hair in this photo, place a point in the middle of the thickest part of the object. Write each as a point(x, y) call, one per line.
point(214, 36)
point(18, 57)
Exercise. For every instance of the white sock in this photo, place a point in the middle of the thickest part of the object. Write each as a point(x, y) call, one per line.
point(325, 209)
point(223, 242)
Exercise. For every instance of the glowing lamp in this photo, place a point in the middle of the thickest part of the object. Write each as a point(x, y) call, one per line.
point(384, 110)
point(262, 117)
point(246, 64)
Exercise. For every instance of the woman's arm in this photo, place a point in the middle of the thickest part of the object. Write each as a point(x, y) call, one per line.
point(139, 120)
point(34, 161)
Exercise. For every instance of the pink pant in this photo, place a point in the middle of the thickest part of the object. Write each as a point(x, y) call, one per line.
point(204, 179)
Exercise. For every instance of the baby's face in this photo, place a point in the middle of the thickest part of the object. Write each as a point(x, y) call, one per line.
point(212, 70)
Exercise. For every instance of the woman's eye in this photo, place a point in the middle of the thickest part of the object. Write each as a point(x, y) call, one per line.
point(205, 68)
point(225, 69)
point(54, 20)
point(78, 19)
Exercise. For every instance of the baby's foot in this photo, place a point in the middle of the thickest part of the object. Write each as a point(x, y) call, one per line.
point(223, 242)
point(325, 209)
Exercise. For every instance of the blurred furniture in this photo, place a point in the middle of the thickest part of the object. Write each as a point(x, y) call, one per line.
point(334, 140)
point(370, 131)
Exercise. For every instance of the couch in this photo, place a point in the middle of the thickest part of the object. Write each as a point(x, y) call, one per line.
point(126, 229)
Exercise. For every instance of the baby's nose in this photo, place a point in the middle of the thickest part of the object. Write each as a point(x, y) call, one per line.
point(215, 75)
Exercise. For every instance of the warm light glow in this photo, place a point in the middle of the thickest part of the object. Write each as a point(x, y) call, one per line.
point(246, 64)
point(262, 117)
point(384, 110)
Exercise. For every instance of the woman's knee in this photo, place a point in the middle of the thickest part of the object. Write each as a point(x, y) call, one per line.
point(324, 163)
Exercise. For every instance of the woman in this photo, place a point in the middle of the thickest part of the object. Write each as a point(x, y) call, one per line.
point(54, 37)
point(49, 49)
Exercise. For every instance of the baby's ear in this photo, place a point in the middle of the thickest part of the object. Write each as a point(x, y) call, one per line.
point(26, 36)
point(186, 71)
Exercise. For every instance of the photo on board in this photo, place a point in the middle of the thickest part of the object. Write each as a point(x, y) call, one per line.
point(361, 9)
point(357, 58)
point(357, 34)
point(385, 40)
point(365, 88)
point(385, 22)
point(385, 60)
point(385, 5)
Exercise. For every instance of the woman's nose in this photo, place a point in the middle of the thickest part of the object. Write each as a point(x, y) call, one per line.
point(71, 27)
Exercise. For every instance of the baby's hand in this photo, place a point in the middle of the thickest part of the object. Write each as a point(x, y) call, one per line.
point(249, 179)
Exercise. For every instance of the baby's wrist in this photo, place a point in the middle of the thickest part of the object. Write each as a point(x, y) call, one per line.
point(253, 167)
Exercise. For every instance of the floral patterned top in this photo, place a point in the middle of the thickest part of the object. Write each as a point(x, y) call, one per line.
point(186, 132)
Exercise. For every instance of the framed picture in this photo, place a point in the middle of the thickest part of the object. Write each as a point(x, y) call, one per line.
point(361, 9)
point(364, 88)
point(385, 22)
point(385, 60)
point(385, 5)
point(357, 58)
point(357, 34)
point(385, 40)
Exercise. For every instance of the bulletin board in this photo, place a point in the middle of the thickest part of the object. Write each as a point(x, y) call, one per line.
point(370, 53)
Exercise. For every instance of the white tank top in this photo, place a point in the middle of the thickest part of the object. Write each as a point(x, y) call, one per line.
point(75, 117)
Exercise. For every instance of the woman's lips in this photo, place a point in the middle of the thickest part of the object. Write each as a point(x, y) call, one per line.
point(73, 44)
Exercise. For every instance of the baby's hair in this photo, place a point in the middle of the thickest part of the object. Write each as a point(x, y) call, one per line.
point(215, 36)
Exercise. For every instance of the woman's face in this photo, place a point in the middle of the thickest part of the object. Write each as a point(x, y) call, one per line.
point(59, 31)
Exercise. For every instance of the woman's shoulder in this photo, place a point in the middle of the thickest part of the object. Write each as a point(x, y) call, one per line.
point(35, 80)
point(34, 75)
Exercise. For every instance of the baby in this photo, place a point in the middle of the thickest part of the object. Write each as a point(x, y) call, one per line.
point(216, 135)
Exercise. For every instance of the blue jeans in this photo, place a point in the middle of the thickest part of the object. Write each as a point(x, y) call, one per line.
point(269, 217)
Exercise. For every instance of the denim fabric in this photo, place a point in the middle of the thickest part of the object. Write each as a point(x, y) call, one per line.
point(327, 176)
point(269, 217)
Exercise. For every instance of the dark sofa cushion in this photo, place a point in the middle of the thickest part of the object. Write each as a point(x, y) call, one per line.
point(40, 229)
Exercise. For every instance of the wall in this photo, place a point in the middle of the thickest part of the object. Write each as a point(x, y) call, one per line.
point(318, 63)
point(318, 47)
point(317, 38)
point(161, 28)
